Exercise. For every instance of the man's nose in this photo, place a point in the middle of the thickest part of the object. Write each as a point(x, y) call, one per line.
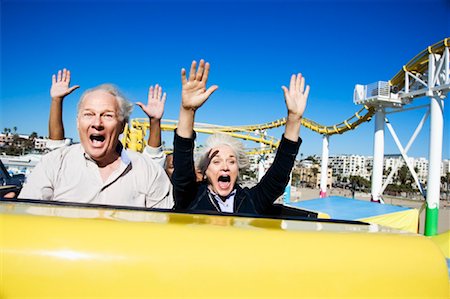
point(97, 121)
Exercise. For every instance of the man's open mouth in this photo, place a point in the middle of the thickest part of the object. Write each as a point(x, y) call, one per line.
point(97, 139)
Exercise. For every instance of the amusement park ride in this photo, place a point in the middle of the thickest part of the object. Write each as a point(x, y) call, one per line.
point(426, 75)
point(54, 249)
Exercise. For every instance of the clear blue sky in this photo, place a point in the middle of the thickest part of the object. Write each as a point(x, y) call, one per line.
point(253, 48)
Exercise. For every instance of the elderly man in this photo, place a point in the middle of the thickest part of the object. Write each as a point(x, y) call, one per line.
point(99, 170)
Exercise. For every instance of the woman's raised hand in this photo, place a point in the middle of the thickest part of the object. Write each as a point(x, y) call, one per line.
point(296, 96)
point(194, 93)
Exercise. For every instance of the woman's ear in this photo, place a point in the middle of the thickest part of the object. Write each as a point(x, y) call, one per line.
point(124, 123)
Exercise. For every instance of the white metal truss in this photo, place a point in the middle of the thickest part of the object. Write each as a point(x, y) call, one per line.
point(434, 82)
point(404, 151)
point(430, 78)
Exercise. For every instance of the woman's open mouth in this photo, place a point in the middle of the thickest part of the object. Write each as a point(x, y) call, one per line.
point(224, 181)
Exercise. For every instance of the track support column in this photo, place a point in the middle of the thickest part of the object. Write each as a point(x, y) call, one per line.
point(324, 166)
point(435, 155)
point(378, 156)
point(287, 191)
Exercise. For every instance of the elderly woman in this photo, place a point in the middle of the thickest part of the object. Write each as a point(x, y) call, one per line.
point(224, 156)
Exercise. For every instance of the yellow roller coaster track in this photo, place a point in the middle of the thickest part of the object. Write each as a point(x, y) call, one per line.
point(417, 65)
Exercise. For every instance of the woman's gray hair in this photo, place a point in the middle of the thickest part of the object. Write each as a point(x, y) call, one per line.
point(216, 140)
point(125, 106)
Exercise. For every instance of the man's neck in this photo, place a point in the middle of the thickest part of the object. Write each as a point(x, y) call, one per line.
point(107, 169)
point(107, 161)
point(110, 158)
point(110, 163)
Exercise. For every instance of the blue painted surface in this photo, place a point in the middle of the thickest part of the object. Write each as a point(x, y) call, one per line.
point(448, 267)
point(347, 208)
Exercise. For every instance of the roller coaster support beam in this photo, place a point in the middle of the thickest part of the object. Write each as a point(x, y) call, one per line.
point(404, 152)
point(287, 191)
point(262, 157)
point(378, 155)
point(435, 147)
point(324, 166)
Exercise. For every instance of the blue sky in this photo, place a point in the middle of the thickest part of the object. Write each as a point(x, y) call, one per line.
point(253, 48)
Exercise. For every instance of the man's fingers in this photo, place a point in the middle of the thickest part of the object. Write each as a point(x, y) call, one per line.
point(211, 155)
point(210, 90)
point(201, 68)
point(306, 93)
point(73, 88)
point(140, 105)
point(53, 79)
point(158, 92)
point(302, 84)
point(10, 195)
point(292, 83)
point(59, 75)
point(192, 71)
point(150, 93)
point(163, 100)
point(206, 72)
point(183, 76)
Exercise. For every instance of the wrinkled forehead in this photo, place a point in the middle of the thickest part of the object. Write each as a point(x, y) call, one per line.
point(99, 100)
point(222, 151)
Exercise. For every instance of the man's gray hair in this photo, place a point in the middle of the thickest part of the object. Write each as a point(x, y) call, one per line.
point(125, 106)
point(222, 139)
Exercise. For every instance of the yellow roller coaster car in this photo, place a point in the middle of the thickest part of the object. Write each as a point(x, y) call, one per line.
point(54, 251)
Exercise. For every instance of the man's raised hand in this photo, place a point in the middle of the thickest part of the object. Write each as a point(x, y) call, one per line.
point(155, 104)
point(60, 85)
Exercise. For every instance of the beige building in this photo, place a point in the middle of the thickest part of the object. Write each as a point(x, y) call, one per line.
point(310, 174)
point(6, 139)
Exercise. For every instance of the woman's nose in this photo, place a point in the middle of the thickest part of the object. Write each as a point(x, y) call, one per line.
point(225, 165)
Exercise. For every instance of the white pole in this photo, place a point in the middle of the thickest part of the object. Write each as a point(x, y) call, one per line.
point(261, 168)
point(287, 191)
point(324, 166)
point(262, 158)
point(378, 155)
point(435, 155)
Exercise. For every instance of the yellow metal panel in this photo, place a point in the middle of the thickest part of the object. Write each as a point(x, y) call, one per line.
point(123, 254)
point(407, 220)
point(443, 242)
